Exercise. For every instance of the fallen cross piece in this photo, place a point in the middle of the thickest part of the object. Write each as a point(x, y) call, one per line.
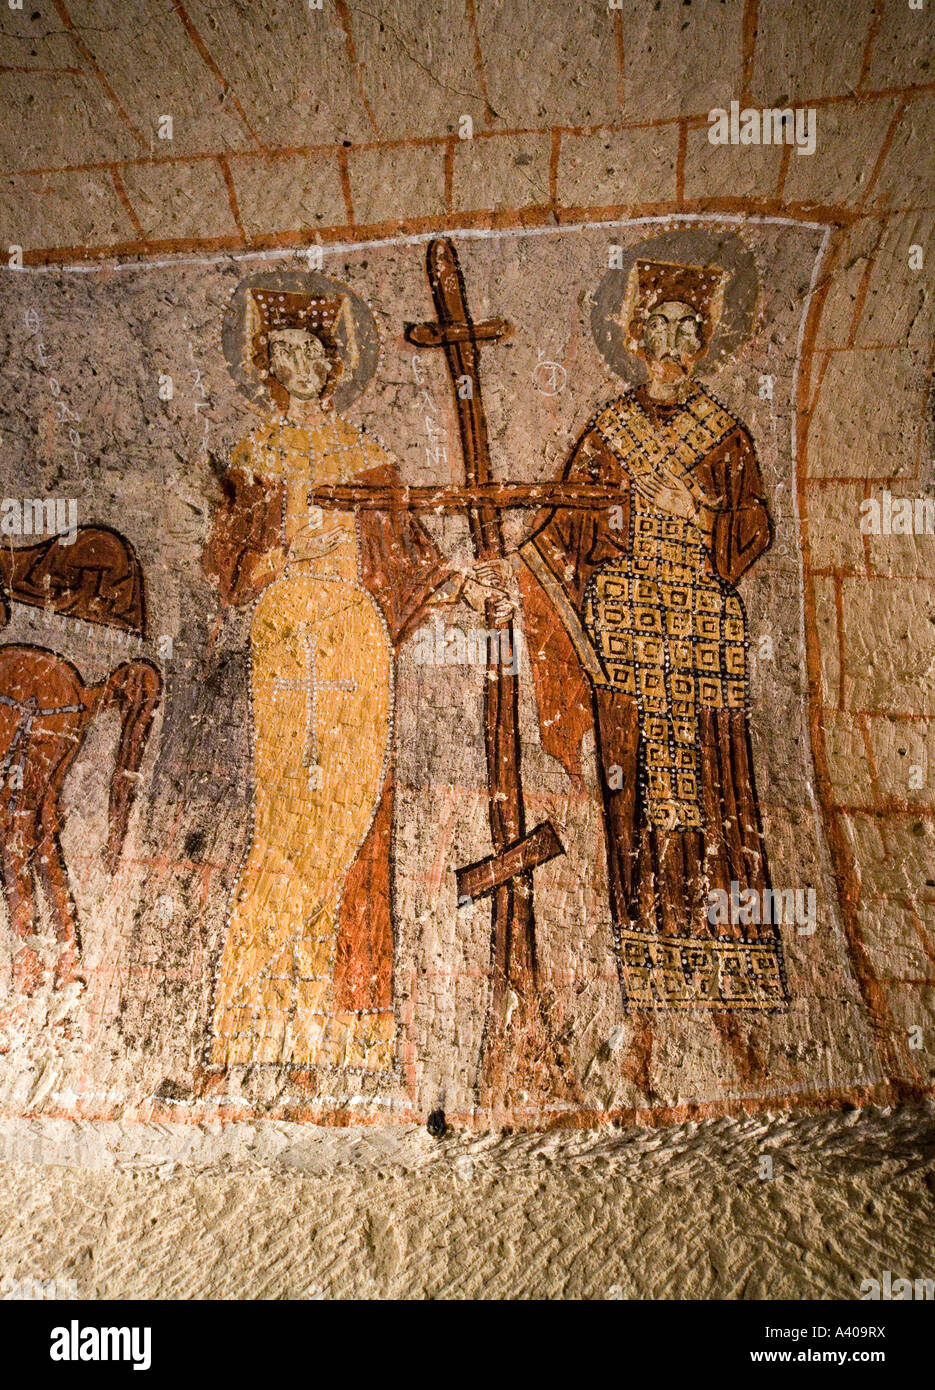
point(538, 847)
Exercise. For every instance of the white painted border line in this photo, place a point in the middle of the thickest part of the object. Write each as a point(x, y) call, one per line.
point(412, 239)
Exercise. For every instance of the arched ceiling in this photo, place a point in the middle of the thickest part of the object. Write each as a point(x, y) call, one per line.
point(291, 123)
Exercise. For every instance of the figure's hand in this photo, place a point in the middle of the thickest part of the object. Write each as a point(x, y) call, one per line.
point(667, 492)
point(316, 542)
point(489, 581)
point(495, 574)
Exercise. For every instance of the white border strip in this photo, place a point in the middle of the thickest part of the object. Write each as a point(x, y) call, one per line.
point(413, 239)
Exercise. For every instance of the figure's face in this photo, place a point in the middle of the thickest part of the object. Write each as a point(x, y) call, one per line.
point(298, 360)
point(672, 340)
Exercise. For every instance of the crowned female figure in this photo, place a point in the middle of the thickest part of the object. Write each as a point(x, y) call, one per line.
point(305, 976)
point(645, 591)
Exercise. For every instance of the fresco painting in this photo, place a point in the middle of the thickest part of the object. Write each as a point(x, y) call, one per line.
point(475, 663)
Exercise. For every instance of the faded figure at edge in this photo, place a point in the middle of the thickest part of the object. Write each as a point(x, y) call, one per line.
point(645, 591)
point(305, 978)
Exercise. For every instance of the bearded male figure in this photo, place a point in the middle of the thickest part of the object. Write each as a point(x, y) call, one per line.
point(645, 591)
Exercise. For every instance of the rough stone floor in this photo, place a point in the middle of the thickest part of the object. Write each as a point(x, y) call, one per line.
point(311, 1213)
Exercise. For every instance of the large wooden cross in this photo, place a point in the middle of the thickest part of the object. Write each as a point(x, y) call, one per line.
point(519, 1051)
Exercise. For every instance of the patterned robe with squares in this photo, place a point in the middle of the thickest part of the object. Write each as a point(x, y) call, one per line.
point(648, 605)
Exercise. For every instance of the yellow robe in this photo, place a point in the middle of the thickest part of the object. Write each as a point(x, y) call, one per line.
point(322, 696)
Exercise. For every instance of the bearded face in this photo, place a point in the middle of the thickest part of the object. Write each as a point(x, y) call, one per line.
point(672, 340)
